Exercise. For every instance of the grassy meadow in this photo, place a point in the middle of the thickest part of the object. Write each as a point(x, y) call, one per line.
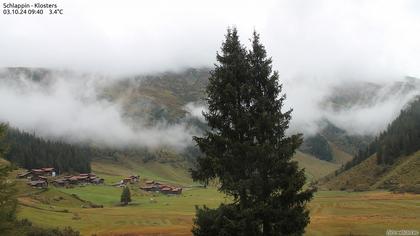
point(332, 212)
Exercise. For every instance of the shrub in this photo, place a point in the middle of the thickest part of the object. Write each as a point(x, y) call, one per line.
point(361, 188)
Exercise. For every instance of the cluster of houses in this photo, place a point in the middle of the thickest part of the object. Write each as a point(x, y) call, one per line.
point(152, 186)
point(88, 178)
point(39, 178)
point(128, 180)
point(33, 173)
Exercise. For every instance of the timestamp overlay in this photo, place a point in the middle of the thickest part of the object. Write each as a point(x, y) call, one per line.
point(44, 8)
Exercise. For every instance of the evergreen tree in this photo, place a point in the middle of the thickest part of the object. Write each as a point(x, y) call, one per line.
point(30, 151)
point(401, 138)
point(8, 200)
point(317, 146)
point(125, 196)
point(247, 149)
point(3, 135)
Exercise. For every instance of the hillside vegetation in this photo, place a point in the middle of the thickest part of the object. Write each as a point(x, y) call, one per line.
point(403, 175)
point(158, 97)
point(391, 161)
point(29, 151)
point(162, 97)
point(314, 168)
point(177, 170)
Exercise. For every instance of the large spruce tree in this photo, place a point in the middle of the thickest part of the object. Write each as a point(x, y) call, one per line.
point(247, 149)
point(125, 196)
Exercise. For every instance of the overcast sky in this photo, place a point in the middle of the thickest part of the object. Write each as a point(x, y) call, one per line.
point(319, 39)
point(315, 45)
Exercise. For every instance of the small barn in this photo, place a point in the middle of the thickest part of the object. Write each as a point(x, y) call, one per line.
point(134, 178)
point(150, 188)
point(24, 175)
point(126, 181)
point(97, 181)
point(37, 172)
point(73, 180)
point(166, 190)
point(38, 184)
point(176, 191)
point(48, 171)
point(150, 182)
point(60, 182)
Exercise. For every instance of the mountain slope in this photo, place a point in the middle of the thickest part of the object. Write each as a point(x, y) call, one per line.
point(177, 171)
point(29, 151)
point(391, 161)
point(314, 168)
point(160, 96)
point(404, 175)
point(339, 156)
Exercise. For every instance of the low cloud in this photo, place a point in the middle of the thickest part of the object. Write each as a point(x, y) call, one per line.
point(358, 107)
point(196, 110)
point(68, 108)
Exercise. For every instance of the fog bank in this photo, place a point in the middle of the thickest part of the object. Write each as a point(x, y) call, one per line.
point(67, 107)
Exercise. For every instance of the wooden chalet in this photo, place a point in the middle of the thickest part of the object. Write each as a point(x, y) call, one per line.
point(126, 181)
point(24, 175)
point(34, 174)
point(47, 171)
point(135, 178)
point(73, 180)
point(176, 191)
point(38, 177)
point(38, 184)
point(83, 179)
point(150, 182)
point(78, 179)
point(97, 181)
point(152, 186)
point(60, 182)
point(37, 171)
point(130, 180)
point(166, 190)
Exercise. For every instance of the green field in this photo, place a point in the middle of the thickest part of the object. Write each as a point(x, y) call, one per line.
point(363, 213)
point(332, 212)
point(147, 213)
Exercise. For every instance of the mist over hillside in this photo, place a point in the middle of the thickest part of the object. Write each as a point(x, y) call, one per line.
point(72, 107)
point(390, 161)
point(164, 109)
point(342, 66)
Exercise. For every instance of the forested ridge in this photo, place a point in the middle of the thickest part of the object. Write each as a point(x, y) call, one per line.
point(29, 151)
point(401, 138)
